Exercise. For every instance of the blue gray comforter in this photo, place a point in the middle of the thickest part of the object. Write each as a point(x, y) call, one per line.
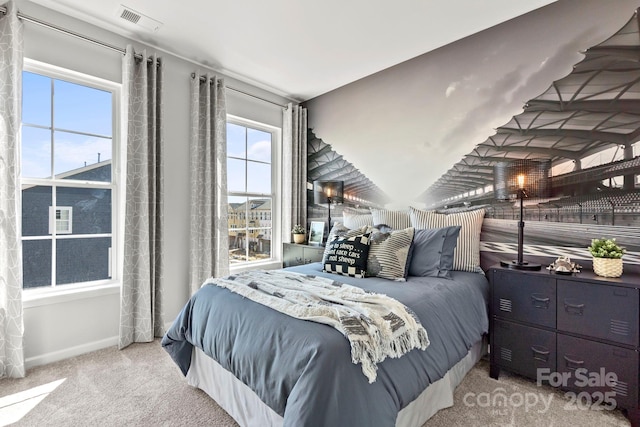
point(303, 370)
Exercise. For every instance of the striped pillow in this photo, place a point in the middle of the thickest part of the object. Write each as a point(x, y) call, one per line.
point(467, 253)
point(388, 253)
point(398, 220)
point(354, 218)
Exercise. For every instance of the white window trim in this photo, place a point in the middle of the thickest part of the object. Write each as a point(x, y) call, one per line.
point(33, 297)
point(276, 184)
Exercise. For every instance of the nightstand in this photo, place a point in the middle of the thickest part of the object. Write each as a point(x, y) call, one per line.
point(298, 254)
point(570, 331)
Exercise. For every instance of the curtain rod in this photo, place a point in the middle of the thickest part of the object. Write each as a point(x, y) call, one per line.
point(37, 21)
point(50, 26)
point(204, 79)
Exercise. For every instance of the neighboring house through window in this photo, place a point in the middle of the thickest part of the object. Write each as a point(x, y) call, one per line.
point(251, 182)
point(68, 179)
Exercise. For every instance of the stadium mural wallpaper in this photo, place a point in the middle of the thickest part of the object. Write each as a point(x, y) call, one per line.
point(557, 83)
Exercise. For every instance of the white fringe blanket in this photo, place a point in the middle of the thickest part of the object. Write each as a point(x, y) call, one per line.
point(376, 325)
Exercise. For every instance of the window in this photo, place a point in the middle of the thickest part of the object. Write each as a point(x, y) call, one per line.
point(61, 219)
point(68, 179)
point(251, 179)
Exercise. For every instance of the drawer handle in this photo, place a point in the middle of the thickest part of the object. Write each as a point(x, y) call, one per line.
point(540, 353)
point(540, 301)
point(573, 364)
point(620, 353)
point(577, 309)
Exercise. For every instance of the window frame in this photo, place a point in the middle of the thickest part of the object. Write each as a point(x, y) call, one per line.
point(276, 187)
point(115, 186)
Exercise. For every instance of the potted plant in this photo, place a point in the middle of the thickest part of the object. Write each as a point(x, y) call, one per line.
point(298, 233)
point(607, 257)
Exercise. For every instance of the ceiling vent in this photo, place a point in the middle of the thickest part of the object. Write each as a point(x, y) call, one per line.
point(138, 19)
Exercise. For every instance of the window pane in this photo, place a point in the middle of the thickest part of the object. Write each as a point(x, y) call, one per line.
point(259, 233)
point(81, 155)
point(258, 145)
point(82, 109)
point(91, 208)
point(82, 260)
point(259, 244)
point(36, 152)
point(36, 201)
point(258, 178)
point(236, 175)
point(36, 263)
point(237, 214)
point(237, 219)
point(36, 99)
point(236, 141)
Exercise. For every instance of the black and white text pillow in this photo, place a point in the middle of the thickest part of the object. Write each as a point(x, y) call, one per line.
point(347, 256)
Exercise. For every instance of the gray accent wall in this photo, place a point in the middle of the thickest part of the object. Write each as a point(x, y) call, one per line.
point(404, 127)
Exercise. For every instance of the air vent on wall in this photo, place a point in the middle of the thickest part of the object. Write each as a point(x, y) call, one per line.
point(138, 19)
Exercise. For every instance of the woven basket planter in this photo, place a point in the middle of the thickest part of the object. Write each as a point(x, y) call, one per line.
point(607, 267)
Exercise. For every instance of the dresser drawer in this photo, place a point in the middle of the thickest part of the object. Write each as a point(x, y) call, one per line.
point(312, 254)
point(599, 311)
point(523, 349)
point(296, 254)
point(586, 365)
point(527, 298)
point(292, 255)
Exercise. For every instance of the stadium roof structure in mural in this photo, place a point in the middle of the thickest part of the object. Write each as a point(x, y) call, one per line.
point(324, 163)
point(595, 107)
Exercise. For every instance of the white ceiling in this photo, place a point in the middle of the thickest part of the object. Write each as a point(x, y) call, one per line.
point(299, 48)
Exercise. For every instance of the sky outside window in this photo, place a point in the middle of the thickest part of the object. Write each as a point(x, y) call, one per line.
point(82, 126)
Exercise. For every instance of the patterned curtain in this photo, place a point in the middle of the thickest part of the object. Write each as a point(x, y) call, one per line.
point(294, 169)
point(141, 316)
point(11, 323)
point(209, 248)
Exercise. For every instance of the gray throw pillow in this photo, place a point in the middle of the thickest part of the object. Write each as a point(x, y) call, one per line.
point(432, 254)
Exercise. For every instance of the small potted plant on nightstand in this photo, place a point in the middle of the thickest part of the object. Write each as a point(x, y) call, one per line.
point(607, 257)
point(298, 232)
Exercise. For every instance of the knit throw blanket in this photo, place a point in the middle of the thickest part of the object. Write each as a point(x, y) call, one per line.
point(376, 325)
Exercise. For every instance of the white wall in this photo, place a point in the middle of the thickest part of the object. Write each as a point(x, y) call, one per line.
point(60, 327)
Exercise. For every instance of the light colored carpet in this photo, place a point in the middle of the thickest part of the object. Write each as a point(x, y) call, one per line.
point(140, 386)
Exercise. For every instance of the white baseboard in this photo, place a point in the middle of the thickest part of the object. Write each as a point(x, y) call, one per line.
point(66, 353)
point(55, 356)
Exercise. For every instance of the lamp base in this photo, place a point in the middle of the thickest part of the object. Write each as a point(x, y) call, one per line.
point(515, 265)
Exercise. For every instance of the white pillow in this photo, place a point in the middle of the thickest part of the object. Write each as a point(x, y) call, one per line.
point(353, 218)
point(398, 220)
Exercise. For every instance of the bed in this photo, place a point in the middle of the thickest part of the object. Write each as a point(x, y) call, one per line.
point(266, 368)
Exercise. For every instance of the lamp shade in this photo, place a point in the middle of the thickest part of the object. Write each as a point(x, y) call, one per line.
point(328, 192)
point(523, 177)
